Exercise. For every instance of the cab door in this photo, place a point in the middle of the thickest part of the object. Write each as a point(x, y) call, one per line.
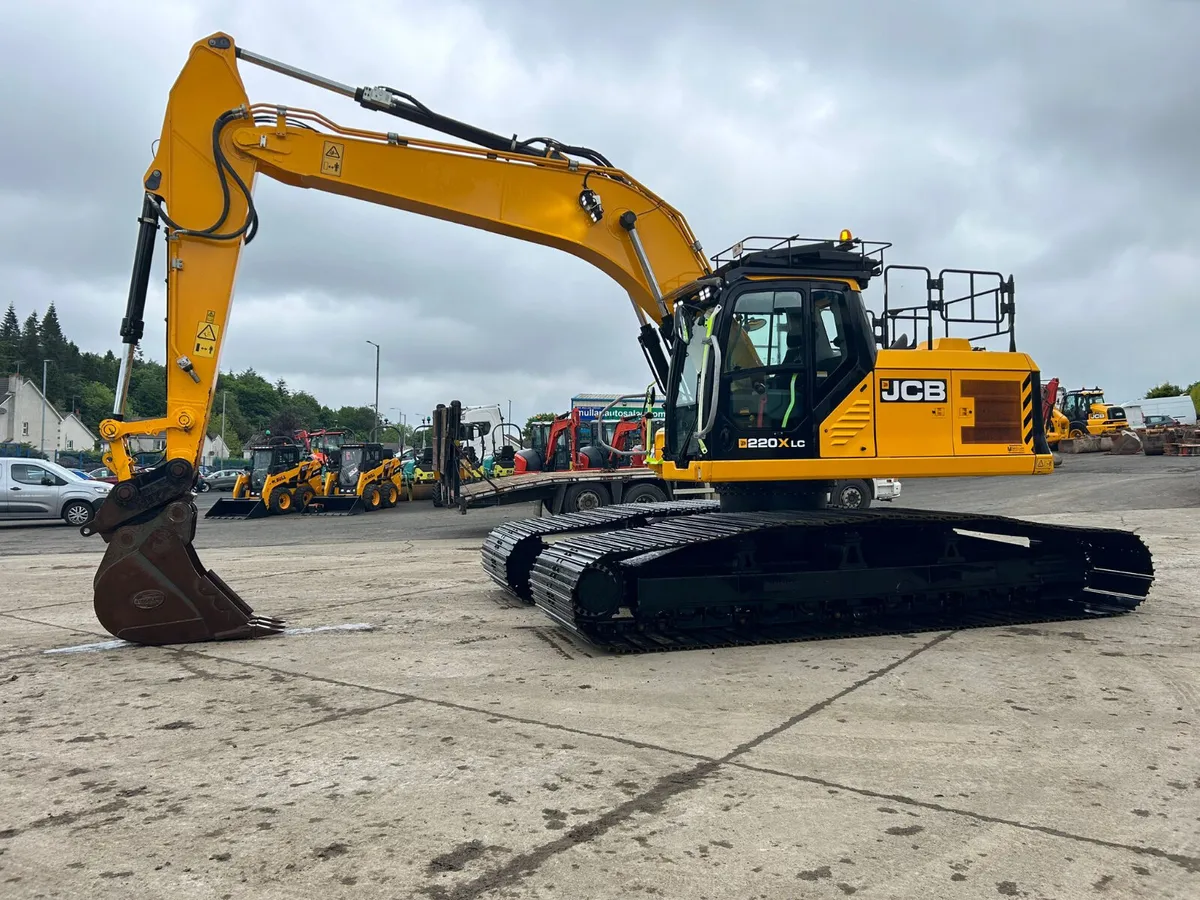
point(33, 490)
point(794, 351)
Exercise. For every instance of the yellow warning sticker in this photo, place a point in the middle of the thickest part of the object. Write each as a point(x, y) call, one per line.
point(206, 339)
point(331, 158)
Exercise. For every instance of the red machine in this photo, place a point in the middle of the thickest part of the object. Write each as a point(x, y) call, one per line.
point(569, 444)
point(1049, 400)
point(322, 444)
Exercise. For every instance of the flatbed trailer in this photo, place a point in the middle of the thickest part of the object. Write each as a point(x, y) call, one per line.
point(569, 491)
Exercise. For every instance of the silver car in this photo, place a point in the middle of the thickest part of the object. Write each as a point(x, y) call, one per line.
point(38, 489)
point(219, 481)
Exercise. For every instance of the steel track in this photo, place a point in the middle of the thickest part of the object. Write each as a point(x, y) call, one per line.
point(646, 554)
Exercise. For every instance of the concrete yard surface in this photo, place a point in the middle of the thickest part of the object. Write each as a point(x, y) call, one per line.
point(442, 741)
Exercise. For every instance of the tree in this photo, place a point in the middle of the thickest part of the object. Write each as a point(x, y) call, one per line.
point(1194, 390)
point(357, 419)
point(29, 348)
point(257, 397)
point(148, 390)
point(237, 429)
point(1166, 389)
point(95, 404)
point(287, 420)
point(57, 350)
point(10, 340)
point(306, 408)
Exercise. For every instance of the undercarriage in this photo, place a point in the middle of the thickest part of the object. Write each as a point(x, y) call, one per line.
point(686, 575)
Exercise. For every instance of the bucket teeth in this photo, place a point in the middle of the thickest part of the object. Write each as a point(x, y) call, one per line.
point(151, 587)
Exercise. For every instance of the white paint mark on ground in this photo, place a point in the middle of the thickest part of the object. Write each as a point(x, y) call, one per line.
point(91, 648)
point(352, 626)
point(120, 645)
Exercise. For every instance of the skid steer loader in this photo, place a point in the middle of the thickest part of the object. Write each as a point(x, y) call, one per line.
point(359, 478)
point(279, 480)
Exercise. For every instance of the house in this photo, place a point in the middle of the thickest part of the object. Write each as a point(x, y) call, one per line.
point(21, 413)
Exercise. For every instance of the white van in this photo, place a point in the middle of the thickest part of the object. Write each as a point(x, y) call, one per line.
point(1180, 408)
point(38, 489)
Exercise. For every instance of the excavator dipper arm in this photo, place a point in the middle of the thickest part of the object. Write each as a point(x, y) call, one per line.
point(151, 587)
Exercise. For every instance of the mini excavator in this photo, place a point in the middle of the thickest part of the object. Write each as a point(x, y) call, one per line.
point(776, 381)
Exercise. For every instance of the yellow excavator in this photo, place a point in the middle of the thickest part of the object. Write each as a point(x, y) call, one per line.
point(776, 382)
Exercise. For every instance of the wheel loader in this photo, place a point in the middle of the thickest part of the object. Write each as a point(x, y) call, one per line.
point(279, 480)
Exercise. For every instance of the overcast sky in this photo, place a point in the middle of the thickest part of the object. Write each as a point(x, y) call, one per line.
point(1056, 141)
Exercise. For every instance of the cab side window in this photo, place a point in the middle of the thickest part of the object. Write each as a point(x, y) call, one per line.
point(28, 474)
point(829, 338)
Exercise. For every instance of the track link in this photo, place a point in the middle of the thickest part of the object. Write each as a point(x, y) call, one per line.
point(511, 550)
point(696, 578)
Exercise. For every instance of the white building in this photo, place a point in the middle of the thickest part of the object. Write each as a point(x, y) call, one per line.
point(21, 412)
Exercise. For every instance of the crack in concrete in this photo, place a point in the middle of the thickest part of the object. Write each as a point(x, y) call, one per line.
point(705, 763)
point(651, 801)
point(1189, 863)
point(360, 711)
point(444, 704)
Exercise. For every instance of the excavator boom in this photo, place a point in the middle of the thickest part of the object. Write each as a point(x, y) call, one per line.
point(150, 586)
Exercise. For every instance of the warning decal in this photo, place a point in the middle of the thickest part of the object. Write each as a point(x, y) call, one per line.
point(331, 158)
point(206, 339)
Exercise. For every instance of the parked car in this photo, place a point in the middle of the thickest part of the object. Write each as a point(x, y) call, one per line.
point(39, 489)
point(1160, 422)
point(860, 493)
point(222, 480)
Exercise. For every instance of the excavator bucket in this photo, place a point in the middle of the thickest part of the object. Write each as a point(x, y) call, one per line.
point(230, 508)
point(151, 587)
point(340, 505)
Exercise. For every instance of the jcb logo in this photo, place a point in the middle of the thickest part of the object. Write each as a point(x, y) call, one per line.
point(769, 443)
point(912, 390)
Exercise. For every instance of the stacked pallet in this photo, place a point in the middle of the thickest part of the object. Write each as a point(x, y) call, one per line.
point(1183, 441)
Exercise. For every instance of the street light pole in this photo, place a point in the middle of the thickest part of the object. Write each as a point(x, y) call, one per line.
point(400, 423)
point(224, 395)
point(375, 433)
